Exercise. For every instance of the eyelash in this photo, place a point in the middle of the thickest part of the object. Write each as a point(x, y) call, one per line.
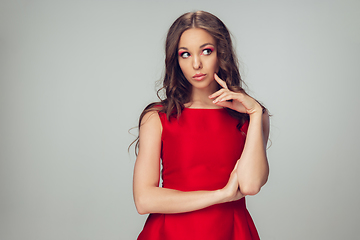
point(207, 49)
point(181, 54)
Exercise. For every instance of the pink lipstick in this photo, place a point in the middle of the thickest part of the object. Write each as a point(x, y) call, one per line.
point(199, 76)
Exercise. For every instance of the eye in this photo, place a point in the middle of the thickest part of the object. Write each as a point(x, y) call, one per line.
point(184, 54)
point(207, 51)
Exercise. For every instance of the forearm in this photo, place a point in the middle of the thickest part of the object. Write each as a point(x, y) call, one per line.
point(164, 200)
point(149, 198)
point(253, 168)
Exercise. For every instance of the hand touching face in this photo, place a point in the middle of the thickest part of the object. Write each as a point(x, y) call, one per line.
point(238, 101)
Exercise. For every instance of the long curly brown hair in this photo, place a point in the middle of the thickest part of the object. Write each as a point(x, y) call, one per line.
point(177, 88)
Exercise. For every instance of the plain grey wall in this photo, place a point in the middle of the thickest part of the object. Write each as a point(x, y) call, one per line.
point(75, 76)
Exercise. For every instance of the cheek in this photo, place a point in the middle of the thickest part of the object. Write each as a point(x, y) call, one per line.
point(214, 64)
point(183, 66)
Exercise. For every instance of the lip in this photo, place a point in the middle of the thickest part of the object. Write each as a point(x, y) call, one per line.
point(199, 76)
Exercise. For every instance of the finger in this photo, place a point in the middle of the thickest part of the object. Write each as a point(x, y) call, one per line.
point(217, 93)
point(234, 169)
point(237, 163)
point(224, 104)
point(220, 98)
point(224, 97)
point(220, 81)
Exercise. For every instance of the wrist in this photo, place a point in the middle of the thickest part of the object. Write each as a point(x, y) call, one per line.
point(257, 110)
point(221, 195)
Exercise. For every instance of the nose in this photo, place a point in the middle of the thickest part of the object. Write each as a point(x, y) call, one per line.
point(197, 64)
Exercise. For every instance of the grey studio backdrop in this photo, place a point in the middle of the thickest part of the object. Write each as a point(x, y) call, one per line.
point(75, 76)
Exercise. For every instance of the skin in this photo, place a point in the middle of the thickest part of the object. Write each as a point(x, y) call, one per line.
point(250, 172)
point(195, 45)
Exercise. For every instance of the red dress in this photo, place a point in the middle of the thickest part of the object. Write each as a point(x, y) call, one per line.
point(199, 151)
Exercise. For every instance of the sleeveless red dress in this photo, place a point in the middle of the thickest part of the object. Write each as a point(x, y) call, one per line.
point(199, 151)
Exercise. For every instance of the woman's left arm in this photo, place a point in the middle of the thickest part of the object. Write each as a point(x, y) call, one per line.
point(253, 168)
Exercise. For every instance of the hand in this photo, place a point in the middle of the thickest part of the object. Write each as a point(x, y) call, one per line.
point(238, 101)
point(231, 190)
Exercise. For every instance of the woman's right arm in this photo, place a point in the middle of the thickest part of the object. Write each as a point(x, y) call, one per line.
point(149, 197)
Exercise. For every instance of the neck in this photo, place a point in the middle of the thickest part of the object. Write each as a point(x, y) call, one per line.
point(200, 98)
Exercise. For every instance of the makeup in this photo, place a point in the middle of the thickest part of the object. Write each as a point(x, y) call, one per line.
point(199, 76)
point(211, 49)
point(184, 54)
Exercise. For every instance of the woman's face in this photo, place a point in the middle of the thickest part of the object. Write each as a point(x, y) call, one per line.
point(197, 55)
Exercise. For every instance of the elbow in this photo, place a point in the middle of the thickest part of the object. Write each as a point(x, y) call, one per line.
point(140, 210)
point(144, 200)
point(250, 190)
point(140, 205)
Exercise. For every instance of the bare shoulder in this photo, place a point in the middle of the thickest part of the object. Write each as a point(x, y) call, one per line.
point(151, 120)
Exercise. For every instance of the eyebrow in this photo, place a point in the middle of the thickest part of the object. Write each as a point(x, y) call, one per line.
point(199, 47)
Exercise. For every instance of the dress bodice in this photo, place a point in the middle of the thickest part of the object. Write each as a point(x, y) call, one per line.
point(199, 151)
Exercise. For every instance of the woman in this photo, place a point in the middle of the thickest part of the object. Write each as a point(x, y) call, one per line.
point(210, 135)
